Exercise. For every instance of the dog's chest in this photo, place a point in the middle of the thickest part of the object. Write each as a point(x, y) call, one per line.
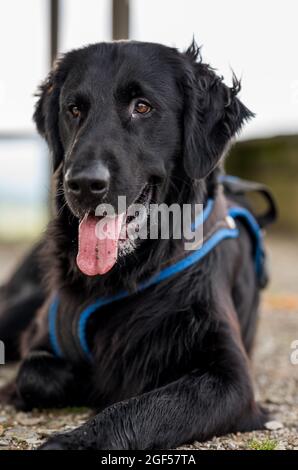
point(133, 344)
point(134, 353)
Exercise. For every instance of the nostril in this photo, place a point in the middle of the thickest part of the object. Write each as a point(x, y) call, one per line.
point(98, 186)
point(73, 186)
point(93, 182)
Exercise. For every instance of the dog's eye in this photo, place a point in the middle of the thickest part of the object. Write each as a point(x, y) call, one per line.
point(142, 107)
point(74, 111)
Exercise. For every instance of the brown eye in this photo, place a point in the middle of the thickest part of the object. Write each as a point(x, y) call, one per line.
point(74, 111)
point(142, 107)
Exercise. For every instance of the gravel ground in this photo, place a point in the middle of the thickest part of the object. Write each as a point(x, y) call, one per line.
point(276, 378)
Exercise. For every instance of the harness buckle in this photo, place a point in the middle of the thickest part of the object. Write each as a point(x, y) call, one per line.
point(230, 222)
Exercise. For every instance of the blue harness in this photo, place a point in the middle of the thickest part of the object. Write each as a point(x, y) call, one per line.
point(229, 231)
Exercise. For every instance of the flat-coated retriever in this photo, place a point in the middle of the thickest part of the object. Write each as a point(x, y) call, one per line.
point(157, 341)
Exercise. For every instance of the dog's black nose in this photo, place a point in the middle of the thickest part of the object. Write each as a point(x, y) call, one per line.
point(89, 182)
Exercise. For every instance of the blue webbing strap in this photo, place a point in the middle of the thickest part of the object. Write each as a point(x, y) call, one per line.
point(166, 273)
point(203, 215)
point(161, 276)
point(52, 316)
point(238, 212)
point(53, 310)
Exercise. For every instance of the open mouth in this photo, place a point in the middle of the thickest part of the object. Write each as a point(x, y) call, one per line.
point(101, 237)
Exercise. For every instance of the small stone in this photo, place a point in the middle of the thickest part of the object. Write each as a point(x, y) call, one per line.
point(273, 425)
point(20, 434)
point(4, 442)
point(34, 441)
point(281, 446)
point(232, 446)
point(27, 420)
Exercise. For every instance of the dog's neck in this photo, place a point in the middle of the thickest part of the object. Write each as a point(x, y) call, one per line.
point(147, 258)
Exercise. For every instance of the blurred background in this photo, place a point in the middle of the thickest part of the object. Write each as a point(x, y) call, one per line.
point(258, 40)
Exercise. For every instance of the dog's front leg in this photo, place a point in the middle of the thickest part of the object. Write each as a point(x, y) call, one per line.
point(46, 381)
point(201, 404)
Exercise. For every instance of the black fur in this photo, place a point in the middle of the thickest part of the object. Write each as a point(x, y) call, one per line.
point(22, 295)
point(170, 364)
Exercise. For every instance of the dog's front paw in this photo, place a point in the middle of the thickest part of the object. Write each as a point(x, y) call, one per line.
point(8, 393)
point(9, 396)
point(44, 381)
point(96, 434)
point(67, 441)
point(52, 445)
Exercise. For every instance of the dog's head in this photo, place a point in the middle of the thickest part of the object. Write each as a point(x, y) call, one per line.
point(121, 118)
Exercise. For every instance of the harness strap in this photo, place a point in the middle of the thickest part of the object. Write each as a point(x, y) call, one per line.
point(243, 214)
point(235, 186)
point(163, 275)
point(68, 334)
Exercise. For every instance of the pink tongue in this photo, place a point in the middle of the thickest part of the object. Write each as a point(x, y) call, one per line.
point(98, 244)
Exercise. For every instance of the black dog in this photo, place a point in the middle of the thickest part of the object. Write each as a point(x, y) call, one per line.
point(169, 364)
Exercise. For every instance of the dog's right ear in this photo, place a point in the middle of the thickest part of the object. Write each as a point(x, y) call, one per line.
point(213, 115)
point(47, 112)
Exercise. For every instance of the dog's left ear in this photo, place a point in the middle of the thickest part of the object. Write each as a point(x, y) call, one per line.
point(47, 112)
point(212, 115)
